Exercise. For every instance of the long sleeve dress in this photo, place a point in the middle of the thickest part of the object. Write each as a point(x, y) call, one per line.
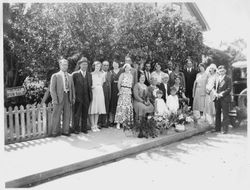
point(199, 91)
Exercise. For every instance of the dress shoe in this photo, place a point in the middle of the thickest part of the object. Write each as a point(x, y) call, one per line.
point(54, 135)
point(66, 134)
point(224, 132)
point(76, 132)
point(85, 131)
point(215, 131)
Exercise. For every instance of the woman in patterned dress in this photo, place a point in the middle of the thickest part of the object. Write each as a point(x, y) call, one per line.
point(115, 74)
point(124, 110)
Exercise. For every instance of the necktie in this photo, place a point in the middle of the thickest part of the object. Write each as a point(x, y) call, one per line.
point(66, 82)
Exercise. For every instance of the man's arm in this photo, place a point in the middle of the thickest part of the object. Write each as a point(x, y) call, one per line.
point(53, 89)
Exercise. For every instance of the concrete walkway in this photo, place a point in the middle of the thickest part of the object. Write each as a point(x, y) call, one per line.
point(37, 161)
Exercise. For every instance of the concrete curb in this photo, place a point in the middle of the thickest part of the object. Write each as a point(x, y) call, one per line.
point(42, 177)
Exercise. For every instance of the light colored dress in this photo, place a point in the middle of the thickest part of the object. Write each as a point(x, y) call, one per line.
point(160, 107)
point(97, 105)
point(140, 92)
point(172, 103)
point(124, 110)
point(209, 104)
point(200, 92)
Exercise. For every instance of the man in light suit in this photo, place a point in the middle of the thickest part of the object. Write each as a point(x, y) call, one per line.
point(63, 96)
point(83, 83)
point(222, 100)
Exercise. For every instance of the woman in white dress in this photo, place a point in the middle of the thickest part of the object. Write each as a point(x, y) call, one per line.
point(97, 105)
point(209, 104)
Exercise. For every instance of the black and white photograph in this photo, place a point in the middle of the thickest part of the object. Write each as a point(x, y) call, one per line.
point(125, 94)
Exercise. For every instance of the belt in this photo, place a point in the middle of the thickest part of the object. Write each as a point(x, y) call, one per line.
point(126, 87)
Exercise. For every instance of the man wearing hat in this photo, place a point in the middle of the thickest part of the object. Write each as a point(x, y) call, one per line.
point(83, 82)
point(222, 100)
point(63, 95)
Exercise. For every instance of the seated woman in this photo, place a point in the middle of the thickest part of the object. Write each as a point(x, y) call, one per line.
point(141, 104)
point(152, 89)
point(183, 100)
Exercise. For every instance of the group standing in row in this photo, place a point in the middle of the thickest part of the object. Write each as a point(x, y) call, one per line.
point(117, 97)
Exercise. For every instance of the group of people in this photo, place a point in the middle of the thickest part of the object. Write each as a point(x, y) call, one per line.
point(117, 97)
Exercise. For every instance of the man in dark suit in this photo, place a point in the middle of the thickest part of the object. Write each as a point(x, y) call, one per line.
point(63, 96)
point(147, 73)
point(164, 87)
point(222, 100)
point(83, 83)
point(104, 118)
point(190, 76)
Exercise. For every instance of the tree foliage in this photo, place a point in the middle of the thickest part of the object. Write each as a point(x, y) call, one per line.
point(41, 33)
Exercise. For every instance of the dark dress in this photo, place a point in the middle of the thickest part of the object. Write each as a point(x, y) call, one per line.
point(114, 90)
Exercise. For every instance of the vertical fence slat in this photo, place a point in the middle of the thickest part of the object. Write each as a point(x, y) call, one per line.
point(22, 122)
point(39, 122)
point(49, 111)
point(5, 127)
point(17, 125)
point(33, 121)
point(44, 119)
point(28, 121)
point(11, 128)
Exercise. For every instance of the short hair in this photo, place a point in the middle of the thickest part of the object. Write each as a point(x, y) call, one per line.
point(62, 60)
point(105, 62)
point(97, 63)
point(165, 76)
point(159, 92)
point(221, 67)
point(172, 88)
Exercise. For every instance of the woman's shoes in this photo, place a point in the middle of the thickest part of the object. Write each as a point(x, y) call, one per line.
point(95, 128)
point(118, 126)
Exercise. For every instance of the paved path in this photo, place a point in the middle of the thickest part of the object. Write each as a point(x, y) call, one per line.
point(208, 161)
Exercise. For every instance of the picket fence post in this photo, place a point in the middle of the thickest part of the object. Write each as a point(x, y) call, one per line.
point(33, 108)
point(22, 122)
point(39, 119)
point(11, 124)
point(49, 110)
point(44, 119)
point(28, 121)
point(17, 126)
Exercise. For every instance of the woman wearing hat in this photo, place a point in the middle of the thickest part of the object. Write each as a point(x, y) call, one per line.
point(209, 111)
point(124, 111)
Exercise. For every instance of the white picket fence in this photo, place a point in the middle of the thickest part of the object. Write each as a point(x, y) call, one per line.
point(23, 124)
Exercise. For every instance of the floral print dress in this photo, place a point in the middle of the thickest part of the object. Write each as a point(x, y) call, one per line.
point(124, 110)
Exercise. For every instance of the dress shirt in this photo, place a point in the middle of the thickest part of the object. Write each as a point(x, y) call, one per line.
point(63, 76)
point(83, 73)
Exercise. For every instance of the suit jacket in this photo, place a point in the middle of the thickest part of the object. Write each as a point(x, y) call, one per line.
point(161, 87)
point(189, 79)
point(57, 88)
point(147, 81)
point(78, 83)
point(224, 87)
point(107, 90)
